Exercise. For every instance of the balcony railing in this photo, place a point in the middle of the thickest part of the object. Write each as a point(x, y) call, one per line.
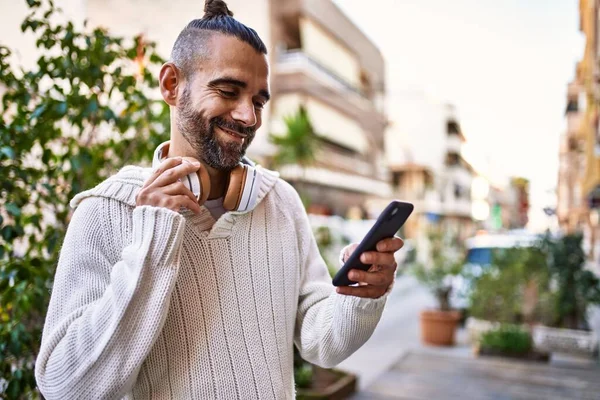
point(300, 58)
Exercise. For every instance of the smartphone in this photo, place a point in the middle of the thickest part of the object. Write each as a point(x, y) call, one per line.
point(386, 226)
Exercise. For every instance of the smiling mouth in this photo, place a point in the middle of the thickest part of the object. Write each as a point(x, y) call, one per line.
point(236, 135)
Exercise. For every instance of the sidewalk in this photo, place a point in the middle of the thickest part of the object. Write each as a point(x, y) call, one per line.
point(455, 373)
point(396, 333)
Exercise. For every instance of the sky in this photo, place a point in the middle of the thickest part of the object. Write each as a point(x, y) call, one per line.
point(504, 64)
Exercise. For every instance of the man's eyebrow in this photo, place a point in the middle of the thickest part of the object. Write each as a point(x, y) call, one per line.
point(227, 81)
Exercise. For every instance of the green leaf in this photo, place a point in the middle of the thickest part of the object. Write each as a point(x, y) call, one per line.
point(8, 152)
point(14, 389)
point(13, 209)
point(51, 244)
point(46, 156)
point(7, 233)
point(38, 111)
point(61, 108)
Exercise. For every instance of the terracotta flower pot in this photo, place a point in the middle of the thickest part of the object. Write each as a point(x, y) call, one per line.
point(438, 327)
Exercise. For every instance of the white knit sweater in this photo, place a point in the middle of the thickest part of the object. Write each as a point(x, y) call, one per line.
point(148, 303)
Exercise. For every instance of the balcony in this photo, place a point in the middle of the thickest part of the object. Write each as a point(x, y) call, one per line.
point(425, 201)
point(329, 157)
point(458, 208)
point(335, 179)
point(295, 70)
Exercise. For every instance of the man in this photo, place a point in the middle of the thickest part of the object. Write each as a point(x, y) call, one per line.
point(157, 296)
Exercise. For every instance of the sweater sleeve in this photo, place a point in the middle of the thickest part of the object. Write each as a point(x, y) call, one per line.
point(329, 326)
point(107, 306)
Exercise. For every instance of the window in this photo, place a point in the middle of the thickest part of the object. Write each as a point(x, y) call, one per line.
point(452, 128)
point(572, 106)
point(452, 159)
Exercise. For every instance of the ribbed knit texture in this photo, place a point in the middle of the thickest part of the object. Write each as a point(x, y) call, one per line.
point(148, 303)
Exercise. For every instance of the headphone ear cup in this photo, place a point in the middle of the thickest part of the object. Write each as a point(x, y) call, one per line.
point(204, 184)
point(237, 181)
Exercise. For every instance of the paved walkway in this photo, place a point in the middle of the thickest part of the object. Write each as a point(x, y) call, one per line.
point(442, 375)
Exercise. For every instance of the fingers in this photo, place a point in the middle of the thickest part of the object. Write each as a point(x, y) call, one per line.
point(164, 188)
point(165, 165)
point(174, 173)
point(371, 292)
point(178, 188)
point(175, 203)
point(374, 257)
point(382, 277)
point(392, 244)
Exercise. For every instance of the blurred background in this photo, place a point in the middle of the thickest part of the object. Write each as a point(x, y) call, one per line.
point(483, 114)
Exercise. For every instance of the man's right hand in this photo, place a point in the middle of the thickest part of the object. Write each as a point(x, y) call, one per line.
point(165, 189)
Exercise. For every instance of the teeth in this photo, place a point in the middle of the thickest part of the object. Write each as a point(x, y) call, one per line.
point(233, 134)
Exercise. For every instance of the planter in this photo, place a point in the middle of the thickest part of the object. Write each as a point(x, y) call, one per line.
point(529, 356)
point(330, 384)
point(570, 341)
point(438, 327)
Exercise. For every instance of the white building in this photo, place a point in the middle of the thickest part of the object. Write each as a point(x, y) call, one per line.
point(424, 154)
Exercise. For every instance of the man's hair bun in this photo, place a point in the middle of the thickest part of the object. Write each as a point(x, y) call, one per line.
point(216, 8)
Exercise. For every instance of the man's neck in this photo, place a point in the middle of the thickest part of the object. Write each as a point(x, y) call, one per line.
point(218, 182)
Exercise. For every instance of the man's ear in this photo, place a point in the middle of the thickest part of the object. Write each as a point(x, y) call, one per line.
point(169, 79)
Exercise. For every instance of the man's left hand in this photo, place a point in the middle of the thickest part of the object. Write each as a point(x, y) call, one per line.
point(376, 281)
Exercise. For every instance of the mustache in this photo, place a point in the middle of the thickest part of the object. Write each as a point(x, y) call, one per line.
point(232, 126)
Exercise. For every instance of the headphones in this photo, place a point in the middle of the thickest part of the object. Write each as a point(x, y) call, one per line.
point(241, 190)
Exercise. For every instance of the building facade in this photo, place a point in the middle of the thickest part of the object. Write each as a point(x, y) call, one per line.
point(425, 156)
point(571, 206)
point(579, 177)
point(324, 63)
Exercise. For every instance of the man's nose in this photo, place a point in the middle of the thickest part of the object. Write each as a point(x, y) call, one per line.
point(245, 114)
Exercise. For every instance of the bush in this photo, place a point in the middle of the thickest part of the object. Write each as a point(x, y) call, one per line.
point(510, 289)
point(68, 123)
point(507, 339)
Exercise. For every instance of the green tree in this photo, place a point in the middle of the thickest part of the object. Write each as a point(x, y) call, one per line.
point(298, 145)
point(576, 286)
point(88, 107)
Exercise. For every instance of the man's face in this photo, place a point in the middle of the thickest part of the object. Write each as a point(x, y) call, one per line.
point(219, 109)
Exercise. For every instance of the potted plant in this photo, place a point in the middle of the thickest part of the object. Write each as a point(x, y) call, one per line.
point(438, 325)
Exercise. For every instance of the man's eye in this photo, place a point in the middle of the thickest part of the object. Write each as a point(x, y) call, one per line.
point(227, 93)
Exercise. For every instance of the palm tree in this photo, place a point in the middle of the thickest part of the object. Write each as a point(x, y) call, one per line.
point(298, 145)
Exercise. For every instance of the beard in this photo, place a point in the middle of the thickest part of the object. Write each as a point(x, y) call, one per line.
point(200, 134)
